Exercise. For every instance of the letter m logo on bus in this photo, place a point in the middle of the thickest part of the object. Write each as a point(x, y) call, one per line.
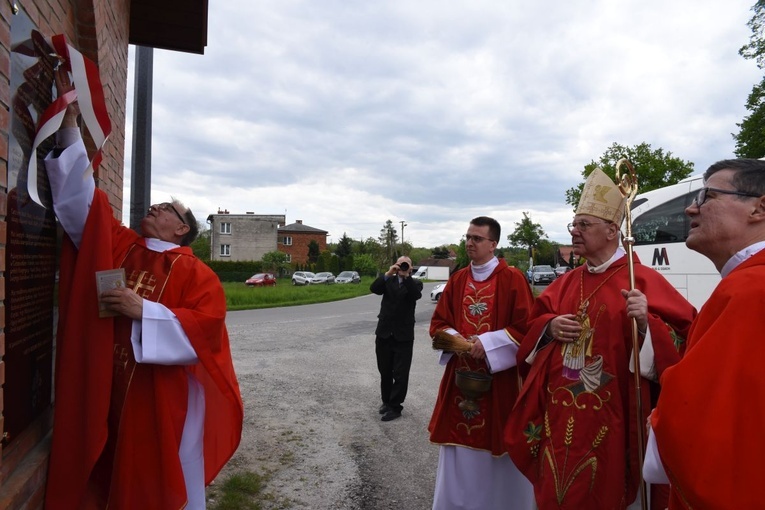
point(660, 257)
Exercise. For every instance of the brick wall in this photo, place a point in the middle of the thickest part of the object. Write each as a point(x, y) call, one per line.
point(299, 248)
point(23, 466)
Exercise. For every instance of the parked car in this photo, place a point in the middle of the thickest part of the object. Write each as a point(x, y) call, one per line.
point(323, 277)
point(542, 274)
point(348, 277)
point(435, 294)
point(302, 277)
point(260, 280)
point(561, 270)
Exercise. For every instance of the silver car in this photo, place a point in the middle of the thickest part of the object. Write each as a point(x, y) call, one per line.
point(542, 274)
point(348, 277)
point(323, 277)
point(435, 294)
point(302, 277)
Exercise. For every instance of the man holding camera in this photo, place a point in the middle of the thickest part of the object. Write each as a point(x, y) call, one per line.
point(395, 333)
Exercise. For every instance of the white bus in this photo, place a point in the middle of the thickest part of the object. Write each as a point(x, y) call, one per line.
point(660, 227)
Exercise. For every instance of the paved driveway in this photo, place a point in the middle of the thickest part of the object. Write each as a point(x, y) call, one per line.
point(311, 391)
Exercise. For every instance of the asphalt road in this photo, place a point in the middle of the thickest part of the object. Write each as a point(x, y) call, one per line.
point(311, 392)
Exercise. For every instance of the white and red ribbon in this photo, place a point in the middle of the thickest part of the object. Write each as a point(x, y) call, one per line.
point(90, 94)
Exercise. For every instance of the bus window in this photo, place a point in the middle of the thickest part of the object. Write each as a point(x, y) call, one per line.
point(660, 228)
point(666, 223)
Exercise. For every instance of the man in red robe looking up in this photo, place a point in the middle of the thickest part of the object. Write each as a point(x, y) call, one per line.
point(709, 421)
point(487, 304)
point(148, 408)
point(573, 430)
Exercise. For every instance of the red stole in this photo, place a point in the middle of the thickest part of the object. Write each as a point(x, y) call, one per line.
point(479, 429)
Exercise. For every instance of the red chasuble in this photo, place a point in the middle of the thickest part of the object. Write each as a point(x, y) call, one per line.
point(118, 424)
point(503, 301)
point(573, 430)
point(709, 420)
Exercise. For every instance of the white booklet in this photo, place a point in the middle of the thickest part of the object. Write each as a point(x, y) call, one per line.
point(107, 280)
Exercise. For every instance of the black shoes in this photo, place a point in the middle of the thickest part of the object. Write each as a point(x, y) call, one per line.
point(388, 413)
point(391, 414)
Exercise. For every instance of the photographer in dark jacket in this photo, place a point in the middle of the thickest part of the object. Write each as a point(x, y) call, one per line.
point(395, 333)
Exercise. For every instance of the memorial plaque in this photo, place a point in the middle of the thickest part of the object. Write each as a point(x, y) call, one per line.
point(31, 259)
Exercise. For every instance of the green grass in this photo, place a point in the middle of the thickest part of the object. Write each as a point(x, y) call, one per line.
point(240, 491)
point(241, 297)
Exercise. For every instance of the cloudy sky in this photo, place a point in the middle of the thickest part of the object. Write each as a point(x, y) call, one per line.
point(347, 113)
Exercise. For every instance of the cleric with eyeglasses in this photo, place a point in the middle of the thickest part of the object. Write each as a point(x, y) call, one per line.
point(148, 408)
point(706, 431)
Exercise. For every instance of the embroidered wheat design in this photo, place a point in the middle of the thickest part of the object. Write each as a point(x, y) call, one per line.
point(599, 438)
point(569, 431)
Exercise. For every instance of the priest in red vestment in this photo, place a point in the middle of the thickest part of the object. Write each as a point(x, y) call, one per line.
point(573, 429)
point(487, 304)
point(148, 408)
point(709, 420)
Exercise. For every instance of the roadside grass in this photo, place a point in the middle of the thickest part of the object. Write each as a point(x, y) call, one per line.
point(244, 490)
point(248, 490)
point(241, 297)
point(238, 492)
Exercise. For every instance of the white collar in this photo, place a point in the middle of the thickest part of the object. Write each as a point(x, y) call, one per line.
point(159, 245)
point(740, 257)
point(619, 253)
point(483, 271)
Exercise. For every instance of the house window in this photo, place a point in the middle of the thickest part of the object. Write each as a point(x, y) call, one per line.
point(289, 257)
point(225, 250)
point(287, 241)
point(225, 228)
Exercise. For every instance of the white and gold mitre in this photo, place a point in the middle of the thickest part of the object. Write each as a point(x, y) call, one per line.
point(601, 198)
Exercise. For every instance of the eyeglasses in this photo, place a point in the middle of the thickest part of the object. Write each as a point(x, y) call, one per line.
point(702, 196)
point(476, 239)
point(582, 225)
point(167, 206)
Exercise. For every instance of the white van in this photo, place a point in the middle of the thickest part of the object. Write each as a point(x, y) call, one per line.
point(660, 227)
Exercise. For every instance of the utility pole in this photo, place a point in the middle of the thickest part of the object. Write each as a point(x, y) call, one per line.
point(140, 174)
point(403, 224)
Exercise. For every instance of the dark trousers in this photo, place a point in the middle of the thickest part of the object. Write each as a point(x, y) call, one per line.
point(393, 361)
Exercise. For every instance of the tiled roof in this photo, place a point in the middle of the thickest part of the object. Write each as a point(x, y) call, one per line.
point(299, 227)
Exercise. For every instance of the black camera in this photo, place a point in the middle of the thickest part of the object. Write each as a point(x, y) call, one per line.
point(404, 266)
